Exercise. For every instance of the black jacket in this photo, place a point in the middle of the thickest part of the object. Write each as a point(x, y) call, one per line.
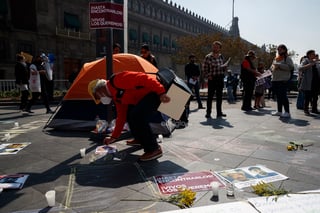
point(22, 74)
point(191, 69)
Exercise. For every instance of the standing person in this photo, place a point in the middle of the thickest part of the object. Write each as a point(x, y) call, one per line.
point(300, 97)
point(192, 73)
point(21, 72)
point(214, 72)
point(235, 86)
point(230, 86)
point(310, 82)
point(281, 68)
point(48, 80)
point(37, 85)
point(146, 54)
point(259, 88)
point(248, 78)
point(137, 97)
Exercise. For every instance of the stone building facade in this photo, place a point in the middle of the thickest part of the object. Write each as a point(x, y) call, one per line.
point(61, 27)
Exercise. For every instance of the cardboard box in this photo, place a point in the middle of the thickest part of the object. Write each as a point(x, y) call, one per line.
point(179, 97)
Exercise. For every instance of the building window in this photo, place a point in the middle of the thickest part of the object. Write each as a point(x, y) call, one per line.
point(133, 35)
point(165, 42)
point(148, 10)
point(174, 44)
point(136, 6)
point(145, 37)
point(118, 1)
point(3, 48)
point(43, 6)
point(3, 7)
point(71, 21)
point(23, 14)
point(156, 39)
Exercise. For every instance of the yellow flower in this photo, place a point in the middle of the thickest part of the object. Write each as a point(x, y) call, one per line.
point(268, 189)
point(184, 199)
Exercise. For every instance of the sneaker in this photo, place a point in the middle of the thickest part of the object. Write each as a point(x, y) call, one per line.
point(276, 113)
point(49, 111)
point(147, 156)
point(221, 115)
point(247, 109)
point(133, 142)
point(201, 107)
point(208, 116)
point(285, 115)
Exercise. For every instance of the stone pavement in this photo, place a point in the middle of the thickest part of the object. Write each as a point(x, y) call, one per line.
point(123, 185)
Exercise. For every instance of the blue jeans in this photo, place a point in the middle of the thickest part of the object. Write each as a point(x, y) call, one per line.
point(230, 94)
point(196, 89)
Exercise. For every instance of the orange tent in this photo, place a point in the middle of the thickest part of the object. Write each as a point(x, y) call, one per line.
point(97, 69)
point(77, 110)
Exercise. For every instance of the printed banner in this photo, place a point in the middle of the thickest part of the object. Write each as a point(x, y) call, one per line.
point(106, 15)
point(196, 181)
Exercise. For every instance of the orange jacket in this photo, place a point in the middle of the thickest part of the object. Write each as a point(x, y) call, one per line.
point(128, 88)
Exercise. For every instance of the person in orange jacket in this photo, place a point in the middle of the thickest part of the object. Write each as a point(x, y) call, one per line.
point(136, 96)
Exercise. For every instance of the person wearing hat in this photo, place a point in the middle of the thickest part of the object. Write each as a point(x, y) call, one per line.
point(137, 97)
point(146, 54)
point(248, 77)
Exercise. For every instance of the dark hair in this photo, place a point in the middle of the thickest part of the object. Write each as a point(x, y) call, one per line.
point(310, 52)
point(191, 56)
point(116, 45)
point(145, 46)
point(282, 46)
point(19, 57)
point(251, 53)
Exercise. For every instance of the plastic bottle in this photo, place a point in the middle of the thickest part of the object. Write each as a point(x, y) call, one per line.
point(230, 190)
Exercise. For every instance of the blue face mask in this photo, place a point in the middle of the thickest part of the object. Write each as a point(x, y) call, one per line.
point(105, 100)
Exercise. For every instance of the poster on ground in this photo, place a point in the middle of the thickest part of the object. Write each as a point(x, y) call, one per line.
point(251, 175)
point(12, 148)
point(196, 181)
point(15, 181)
